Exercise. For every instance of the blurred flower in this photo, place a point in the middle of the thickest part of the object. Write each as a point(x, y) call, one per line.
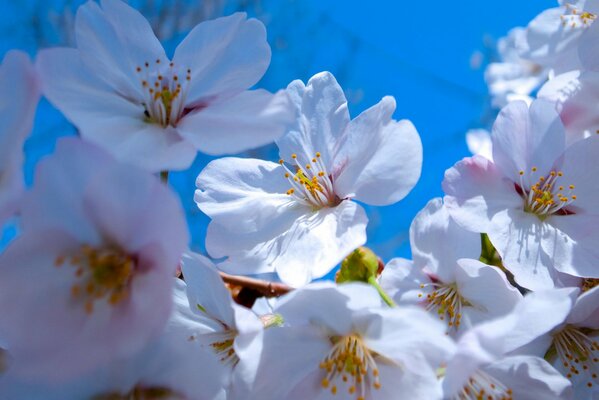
point(513, 78)
point(295, 217)
point(338, 341)
point(552, 37)
point(123, 93)
point(19, 88)
point(168, 367)
point(89, 279)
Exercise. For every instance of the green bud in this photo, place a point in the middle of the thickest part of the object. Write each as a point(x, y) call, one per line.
point(360, 266)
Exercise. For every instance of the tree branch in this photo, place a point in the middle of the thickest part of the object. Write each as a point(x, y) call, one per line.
point(266, 288)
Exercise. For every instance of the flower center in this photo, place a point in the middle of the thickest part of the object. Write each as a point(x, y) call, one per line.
point(104, 273)
point(311, 184)
point(447, 301)
point(223, 347)
point(578, 352)
point(547, 196)
point(575, 18)
point(483, 386)
point(351, 362)
point(588, 284)
point(165, 91)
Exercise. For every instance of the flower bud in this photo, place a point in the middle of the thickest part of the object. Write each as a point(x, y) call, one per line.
point(359, 266)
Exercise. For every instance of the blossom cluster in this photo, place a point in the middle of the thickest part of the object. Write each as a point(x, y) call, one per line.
point(101, 297)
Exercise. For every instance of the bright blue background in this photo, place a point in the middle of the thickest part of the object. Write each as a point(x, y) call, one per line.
point(419, 52)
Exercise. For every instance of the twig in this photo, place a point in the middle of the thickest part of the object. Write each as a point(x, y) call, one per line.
point(266, 288)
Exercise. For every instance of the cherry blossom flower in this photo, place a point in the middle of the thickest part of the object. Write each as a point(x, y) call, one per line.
point(446, 277)
point(295, 217)
point(535, 200)
point(19, 85)
point(89, 279)
point(481, 369)
point(353, 348)
point(123, 93)
point(206, 312)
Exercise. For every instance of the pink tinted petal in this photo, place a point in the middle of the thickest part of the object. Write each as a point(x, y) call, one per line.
point(226, 55)
point(322, 119)
point(235, 124)
point(525, 137)
point(60, 184)
point(437, 242)
point(380, 159)
point(475, 191)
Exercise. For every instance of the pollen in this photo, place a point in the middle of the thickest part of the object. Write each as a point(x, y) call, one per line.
point(447, 302)
point(576, 18)
point(578, 353)
point(102, 274)
point(164, 95)
point(311, 184)
point(350, 364)
point(547, 195)
point(223, 347)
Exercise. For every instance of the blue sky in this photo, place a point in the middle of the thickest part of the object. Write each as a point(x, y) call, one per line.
point(418, 52)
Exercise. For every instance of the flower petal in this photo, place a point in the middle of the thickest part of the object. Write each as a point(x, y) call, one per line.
point(235, 124)
point(475, 191)
point(226, 55)
point(370, 167)
point(524, 138)
point(113, 41)
point(437, 242)
point(244, 195)
point(321, 122)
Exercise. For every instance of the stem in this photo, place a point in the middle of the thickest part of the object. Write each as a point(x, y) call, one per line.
point(384, 296)
point(266, 288)
point(164, 177)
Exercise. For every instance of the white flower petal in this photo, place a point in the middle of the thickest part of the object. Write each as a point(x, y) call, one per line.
point(244, 195)
point(380, 159)
point(235, 124)
point(475, 191)
point(437, 242)
point(321, 123)
point(225, 55)
point(525, 137)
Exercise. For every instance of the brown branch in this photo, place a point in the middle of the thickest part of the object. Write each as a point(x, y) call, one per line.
point(266, 288)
